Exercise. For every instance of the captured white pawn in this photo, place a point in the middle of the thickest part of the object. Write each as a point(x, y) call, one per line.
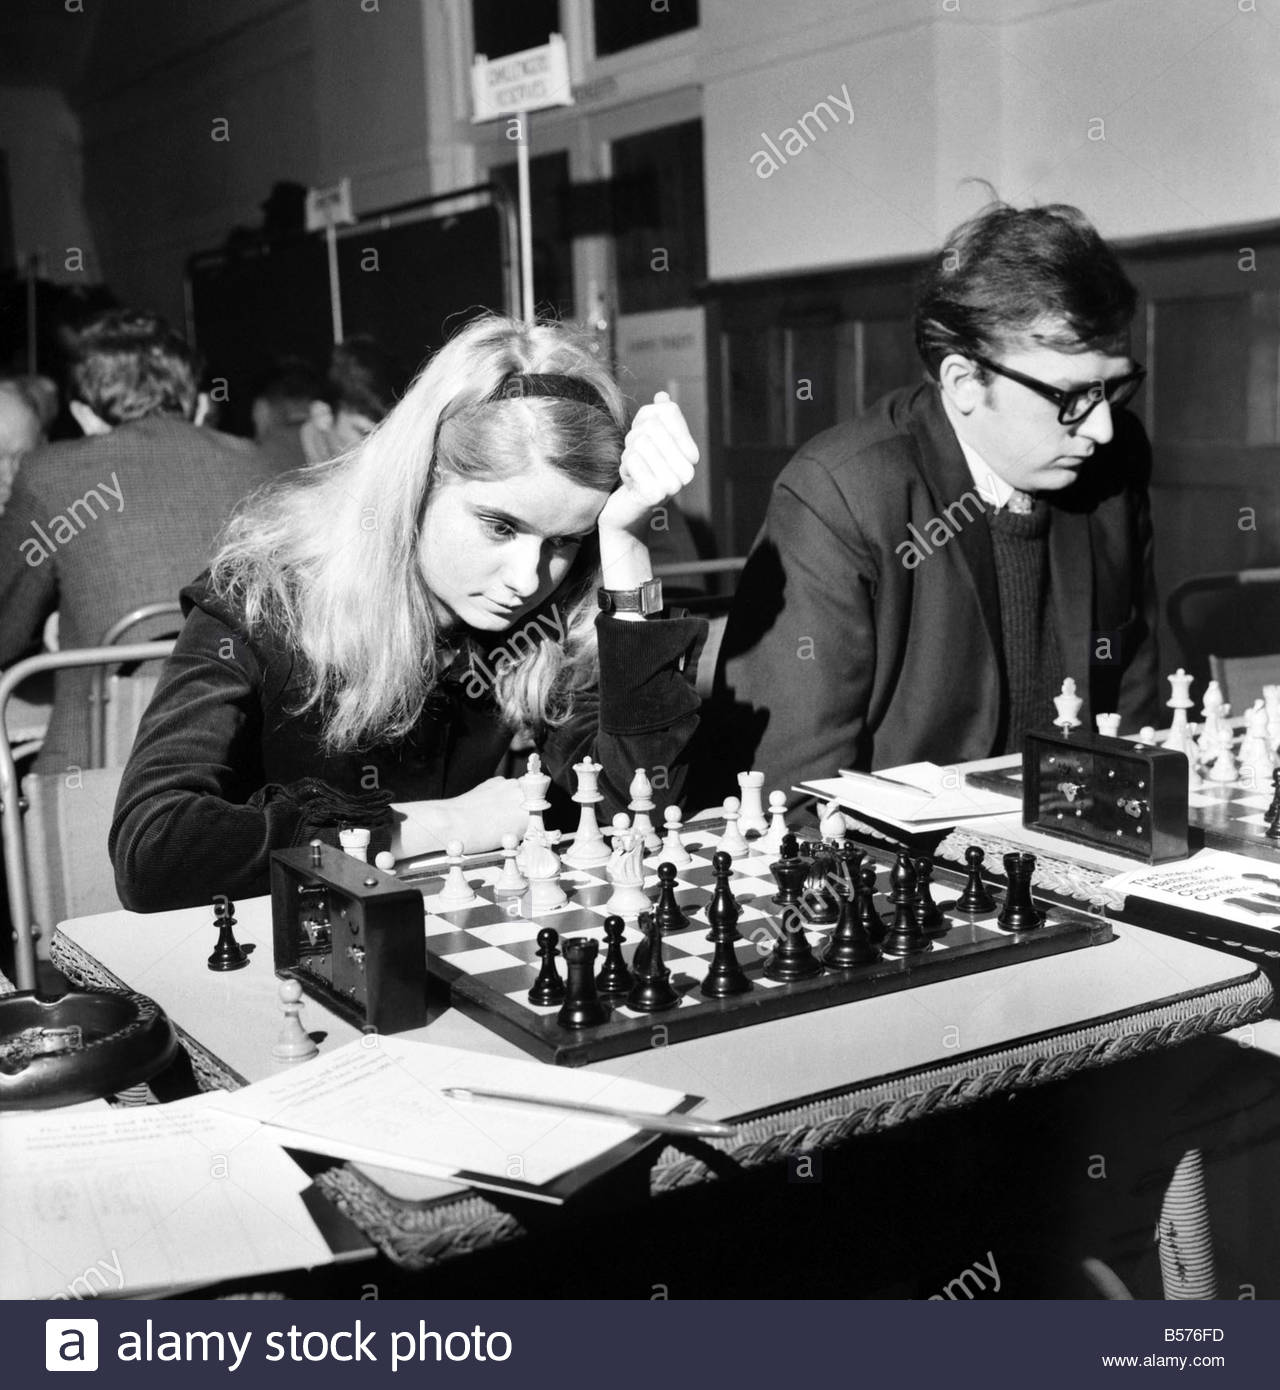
point(510, 880)
point(385, 860)
point(732, 842)
point(673, 850)
point(542, 868)
point(455, 891)
point(770, 842)
point(294, 1043)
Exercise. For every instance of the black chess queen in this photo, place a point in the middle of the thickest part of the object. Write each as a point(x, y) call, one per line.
point(375, 628)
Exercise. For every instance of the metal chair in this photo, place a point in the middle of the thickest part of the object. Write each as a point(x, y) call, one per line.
point(109, 747)
point(1228, 628)
point(41, 820)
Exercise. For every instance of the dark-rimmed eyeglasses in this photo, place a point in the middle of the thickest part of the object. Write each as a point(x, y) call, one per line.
point(1075, 404)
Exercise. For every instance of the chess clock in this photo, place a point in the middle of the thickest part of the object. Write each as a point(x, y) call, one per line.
point(351, 935)
point(1129, 798)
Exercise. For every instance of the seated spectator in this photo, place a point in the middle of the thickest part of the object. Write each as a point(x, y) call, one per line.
point(126, 516)
point(363, 383)
point(281, 406)
point(20, 430)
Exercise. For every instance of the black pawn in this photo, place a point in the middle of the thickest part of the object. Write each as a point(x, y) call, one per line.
point(548, 988)
point(726, 976)
point(850, 945)
point(976, 897)
point(614, 976)
point(1019, 911)
point(849, 860)
point(668, 913)
point(905, 938)
point(790, 872)
point(581, 1008)
point(821, 907)
point(1272, 831)
point(933, 921)
point(864, 905)
point(792, 958)
point(228, 954)
point(723, 909)
point(652, 991)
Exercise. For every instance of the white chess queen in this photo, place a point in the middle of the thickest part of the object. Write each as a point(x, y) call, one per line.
point(376, 627)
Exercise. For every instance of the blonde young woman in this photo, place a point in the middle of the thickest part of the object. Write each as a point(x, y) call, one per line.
point(374, 629)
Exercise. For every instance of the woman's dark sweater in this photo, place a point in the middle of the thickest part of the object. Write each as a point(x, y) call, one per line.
point(223, 772)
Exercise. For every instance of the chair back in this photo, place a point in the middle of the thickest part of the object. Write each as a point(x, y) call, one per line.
point(64, 830)
point(1228, 628)
point(117, 701)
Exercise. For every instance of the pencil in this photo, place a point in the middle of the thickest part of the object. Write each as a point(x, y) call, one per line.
point(642, 1119)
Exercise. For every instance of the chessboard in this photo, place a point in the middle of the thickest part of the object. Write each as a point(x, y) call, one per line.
point(487, 952)
point(1220, 815)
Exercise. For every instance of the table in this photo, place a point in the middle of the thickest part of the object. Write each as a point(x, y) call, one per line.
point(803, 1083)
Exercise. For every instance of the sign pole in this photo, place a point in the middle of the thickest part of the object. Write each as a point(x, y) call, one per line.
point(335, 287)
point(326, 207)
point(526, 221)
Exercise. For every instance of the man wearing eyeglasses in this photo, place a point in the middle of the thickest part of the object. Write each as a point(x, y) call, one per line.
point(929, 573)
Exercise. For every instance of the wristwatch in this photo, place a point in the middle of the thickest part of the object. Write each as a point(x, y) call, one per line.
point(645, 600)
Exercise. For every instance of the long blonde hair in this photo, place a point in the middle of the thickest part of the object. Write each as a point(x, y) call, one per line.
point(327, 559)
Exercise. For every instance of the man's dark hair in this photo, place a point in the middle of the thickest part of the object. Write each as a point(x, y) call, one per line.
point(290, 384)
point(364, 378)
point(1008, 271)
point(126, 364)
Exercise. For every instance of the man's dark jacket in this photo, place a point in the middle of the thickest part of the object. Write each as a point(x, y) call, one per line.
point(851, 644)
point(99, 526)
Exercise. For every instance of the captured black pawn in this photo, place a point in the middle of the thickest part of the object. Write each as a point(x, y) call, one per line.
point(548, 988)
point(668, 913)
point(976, 897)
point(933, 921)
point(850, 944)
point(615, 975)
point(228, 954)
point(652, 991)
point(905, 937)
point(1019, 912)
point(582, 1007)
point(726, 976)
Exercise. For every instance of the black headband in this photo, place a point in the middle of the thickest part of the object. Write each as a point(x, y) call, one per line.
point(518, 385)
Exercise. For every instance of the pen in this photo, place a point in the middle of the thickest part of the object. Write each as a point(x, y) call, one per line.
point(643, 1119)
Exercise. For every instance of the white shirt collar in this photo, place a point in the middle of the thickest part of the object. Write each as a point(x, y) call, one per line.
point(992, 488)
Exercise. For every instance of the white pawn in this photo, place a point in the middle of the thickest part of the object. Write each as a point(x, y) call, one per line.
point(455, 891)
point(385, 860)
point(673, 850)
point(1147, 734)
point(294, 1043)
point(510, 880)
point(751, 820)
point(640, 805)
point(731, 840)
point(770, 842)
point(355, 843)
point(542, 868)
point(1108, 725)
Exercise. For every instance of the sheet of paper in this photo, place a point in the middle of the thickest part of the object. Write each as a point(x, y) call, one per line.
point(1214, 881)
point(916, 796)
point(378, 1100)
point(126, 1202)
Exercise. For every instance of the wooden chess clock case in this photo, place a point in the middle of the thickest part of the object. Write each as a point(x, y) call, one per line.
point(1128, 798)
